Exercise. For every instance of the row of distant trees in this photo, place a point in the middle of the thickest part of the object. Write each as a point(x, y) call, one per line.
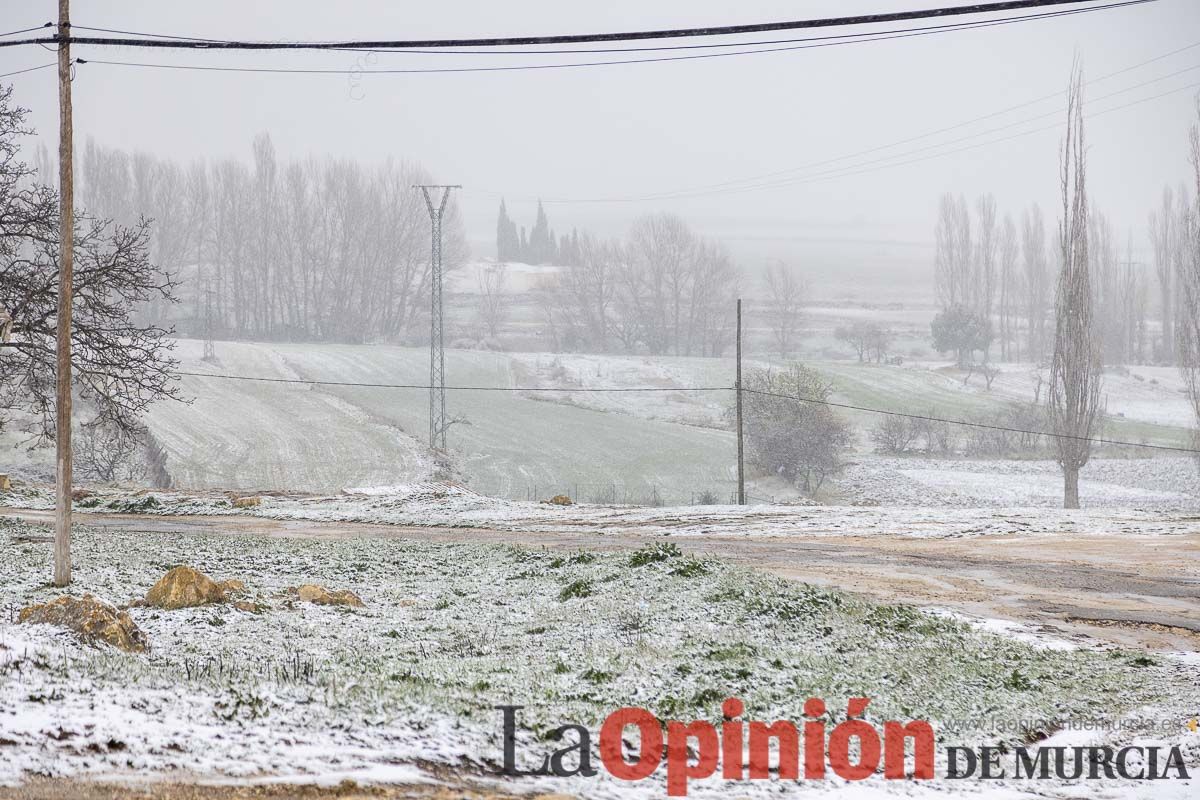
point(662, 289)
point(992, 279)
point(303, 249)
point(985, 268)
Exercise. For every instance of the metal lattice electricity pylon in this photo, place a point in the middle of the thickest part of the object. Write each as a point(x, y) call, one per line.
point(437, 355)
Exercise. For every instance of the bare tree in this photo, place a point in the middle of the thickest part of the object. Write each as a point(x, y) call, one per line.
point(492, 304)
point(582, 295)
point(674, 289)
point(314, 249)
point(985, 279)
point(1009, 283)
point(119, 365)
point(952, 258)
point(1165, 239)
point(1075, 369)
point(865, 337)
point(1106, 289)
point(108, 453)
point(785, 300)
point(1188, 330)
point(1034, 281)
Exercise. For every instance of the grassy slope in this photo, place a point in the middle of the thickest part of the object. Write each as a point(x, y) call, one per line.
point(325, 437)
point(261, 435)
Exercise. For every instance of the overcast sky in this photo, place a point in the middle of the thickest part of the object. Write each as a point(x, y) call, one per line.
point(633, 130)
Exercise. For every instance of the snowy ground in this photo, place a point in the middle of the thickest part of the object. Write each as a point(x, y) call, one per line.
point(1145, 484)
point(442, 505)
point(664, 447)
point(450, 630)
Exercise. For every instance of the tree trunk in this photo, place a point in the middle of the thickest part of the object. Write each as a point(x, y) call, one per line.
point(1070, 487)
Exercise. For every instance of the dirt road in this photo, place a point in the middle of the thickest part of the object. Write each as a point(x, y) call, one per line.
point(1138, 590)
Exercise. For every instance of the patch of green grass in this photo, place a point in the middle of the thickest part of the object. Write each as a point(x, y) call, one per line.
point(1018, 681)
point(892, 619)
point(576, 589)
point(140, 505)
point(732, 652)
point(803, 602)
point(654, 554)
point(690, 568)
point(597, 676)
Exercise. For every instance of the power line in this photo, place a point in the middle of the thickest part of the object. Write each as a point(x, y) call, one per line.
point(928, 418)
point(696, 191)
point(519, 41)
point(868, 38)
point(27, 30)
point(676, 389)
point(854, 169)
point(660, 48)
point(28, 69)
point(426, 386)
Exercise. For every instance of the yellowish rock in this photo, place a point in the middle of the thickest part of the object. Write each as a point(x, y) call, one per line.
point(561, 500)
point(184, 587)
point(232, 587)
point(5, 484)
point(247, 502)
point(314, 593)
point(91, 619)
point(250, 606)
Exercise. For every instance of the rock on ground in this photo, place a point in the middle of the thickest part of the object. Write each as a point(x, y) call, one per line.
point(184, 587)
point(312, 593)
point(91, 619)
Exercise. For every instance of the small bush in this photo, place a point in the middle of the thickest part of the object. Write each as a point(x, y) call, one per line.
point(894, 435)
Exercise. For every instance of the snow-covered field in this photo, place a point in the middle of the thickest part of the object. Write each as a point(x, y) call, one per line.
point(261, 435)
point(1146, 484)
point(423, 505)
point(451, 630)
point(661, 447)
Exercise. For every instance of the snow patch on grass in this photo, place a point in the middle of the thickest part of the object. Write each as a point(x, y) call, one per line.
point(451, 630)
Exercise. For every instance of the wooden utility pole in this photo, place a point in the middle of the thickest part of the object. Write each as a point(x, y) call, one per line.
point(741, 492)
point(66, 248)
